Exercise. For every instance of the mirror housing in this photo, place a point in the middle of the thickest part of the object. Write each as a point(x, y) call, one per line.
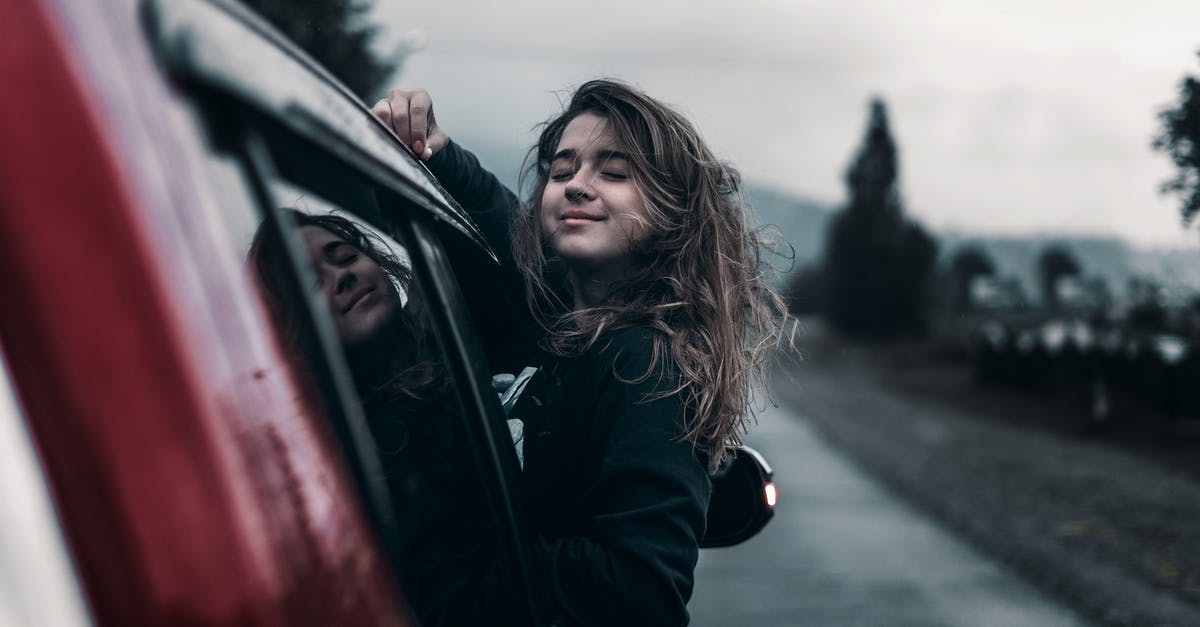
point(743, 499)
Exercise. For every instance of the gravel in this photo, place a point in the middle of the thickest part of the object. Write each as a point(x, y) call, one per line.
point(1105, 521)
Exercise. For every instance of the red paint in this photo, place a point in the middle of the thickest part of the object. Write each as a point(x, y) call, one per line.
point(188, 496)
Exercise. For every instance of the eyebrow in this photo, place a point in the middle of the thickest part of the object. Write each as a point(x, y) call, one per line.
point(609, 155)
point(604, 155)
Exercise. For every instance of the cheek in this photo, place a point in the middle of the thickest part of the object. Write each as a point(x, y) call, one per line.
point(545, 218)
point(369, 272)
point(636, 218)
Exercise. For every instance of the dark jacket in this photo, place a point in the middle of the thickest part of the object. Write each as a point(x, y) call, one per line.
point(617, 498)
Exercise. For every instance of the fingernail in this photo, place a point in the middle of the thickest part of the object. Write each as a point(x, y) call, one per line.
point(428, 153)
point(418, 146)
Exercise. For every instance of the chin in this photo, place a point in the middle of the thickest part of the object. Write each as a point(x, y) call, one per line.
point(368, 325)
point(576, 252)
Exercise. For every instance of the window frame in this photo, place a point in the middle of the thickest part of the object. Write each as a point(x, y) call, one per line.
point(412, 208)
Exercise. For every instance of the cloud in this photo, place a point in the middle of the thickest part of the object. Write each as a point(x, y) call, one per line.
point(1023, 115)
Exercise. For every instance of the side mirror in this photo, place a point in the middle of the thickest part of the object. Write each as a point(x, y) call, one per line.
point(743, 499)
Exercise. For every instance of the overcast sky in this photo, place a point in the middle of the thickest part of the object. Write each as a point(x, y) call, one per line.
point(1011, 116)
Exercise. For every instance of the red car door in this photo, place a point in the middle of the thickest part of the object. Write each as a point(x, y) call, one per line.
point(195, 481)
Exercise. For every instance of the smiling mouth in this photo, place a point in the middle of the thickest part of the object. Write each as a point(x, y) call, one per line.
point(358, 300)
point(580, 217)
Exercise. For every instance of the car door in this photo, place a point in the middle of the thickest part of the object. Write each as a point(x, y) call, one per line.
point(192, 480)
point(313, 145)
point(203, 470)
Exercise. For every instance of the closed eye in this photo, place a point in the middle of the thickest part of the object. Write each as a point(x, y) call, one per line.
point(339, 253)
point(561, 175)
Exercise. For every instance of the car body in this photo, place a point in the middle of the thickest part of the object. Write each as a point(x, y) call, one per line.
point(180, 470)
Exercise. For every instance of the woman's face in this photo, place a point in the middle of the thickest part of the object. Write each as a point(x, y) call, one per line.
point(360, 295)
point(592, 212)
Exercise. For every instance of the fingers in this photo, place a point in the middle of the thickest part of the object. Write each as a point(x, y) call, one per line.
point(383, 111)
point(410, 116)
point(393, 112)
point(420, 107)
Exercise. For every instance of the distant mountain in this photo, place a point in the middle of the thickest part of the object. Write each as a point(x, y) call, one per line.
point(501, 159)
point(803, 223)
point(1173, 267)
point(1110, 258)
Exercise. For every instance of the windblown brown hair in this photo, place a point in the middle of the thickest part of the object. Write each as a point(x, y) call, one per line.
point(700, 279)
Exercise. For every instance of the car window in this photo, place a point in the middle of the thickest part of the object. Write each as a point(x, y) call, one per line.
point(369, 317)
point(354, 314)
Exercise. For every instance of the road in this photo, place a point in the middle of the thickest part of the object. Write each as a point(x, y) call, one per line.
point(842, 551)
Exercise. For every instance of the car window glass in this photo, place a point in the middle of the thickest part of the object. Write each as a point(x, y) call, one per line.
point(361, 283)
point(274, 427)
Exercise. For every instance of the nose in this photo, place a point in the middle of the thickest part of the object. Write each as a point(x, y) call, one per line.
point(346, 279)
point(579, 188)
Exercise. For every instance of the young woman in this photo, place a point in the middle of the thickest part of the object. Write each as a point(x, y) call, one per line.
point(642, 267)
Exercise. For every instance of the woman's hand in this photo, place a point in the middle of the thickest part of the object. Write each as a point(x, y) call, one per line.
point(410, 115)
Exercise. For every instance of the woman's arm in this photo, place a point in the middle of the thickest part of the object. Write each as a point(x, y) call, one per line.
point(490, 204)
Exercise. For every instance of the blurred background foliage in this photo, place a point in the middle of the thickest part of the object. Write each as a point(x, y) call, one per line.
point(1179, 137)
point(339, 35)
point(1054, 263)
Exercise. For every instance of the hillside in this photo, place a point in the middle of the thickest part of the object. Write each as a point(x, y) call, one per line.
point(1116, 261)
point(803, 222)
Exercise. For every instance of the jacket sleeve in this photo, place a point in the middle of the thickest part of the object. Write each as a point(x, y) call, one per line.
point(490, 204)
point(503, 317)
point(647, 508)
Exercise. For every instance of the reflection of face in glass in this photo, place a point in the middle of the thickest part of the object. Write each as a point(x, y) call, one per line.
point(405, 394)
point(360, 295)
point(367, 288)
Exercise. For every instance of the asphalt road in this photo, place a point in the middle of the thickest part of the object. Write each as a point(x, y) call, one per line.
point(842, 551)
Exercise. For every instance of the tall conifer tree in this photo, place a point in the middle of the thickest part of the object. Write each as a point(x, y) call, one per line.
point(1179, 137)
point(877, 263)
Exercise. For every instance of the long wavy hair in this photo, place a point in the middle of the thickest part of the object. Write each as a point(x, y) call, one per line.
point(392, 367)
point(699, 280)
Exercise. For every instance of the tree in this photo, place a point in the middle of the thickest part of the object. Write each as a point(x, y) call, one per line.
point(877, 263)
point(805, 290)
point(968, 262)
point(1179, 137)
point(1054, 263)
point(337, 34)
